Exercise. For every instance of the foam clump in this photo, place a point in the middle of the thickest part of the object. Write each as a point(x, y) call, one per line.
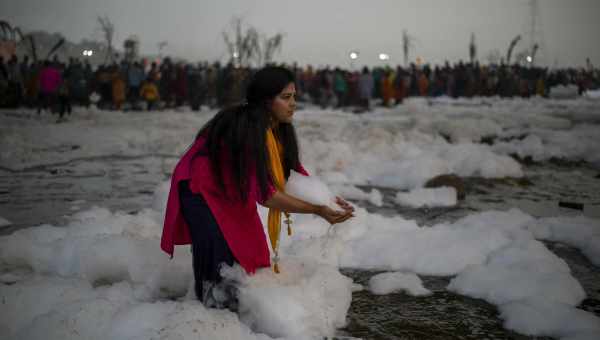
point(580, 232)
point(304, 299)
point(563, 92)
point(352, 192)
point(73, 309)
point(386, 283)
point(435, 197)
point(550, 318)
point(310, 189)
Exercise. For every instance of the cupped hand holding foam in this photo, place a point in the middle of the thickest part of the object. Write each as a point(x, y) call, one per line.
point(312, 190)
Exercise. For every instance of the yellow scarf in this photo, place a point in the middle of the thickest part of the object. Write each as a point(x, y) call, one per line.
point(275, 150)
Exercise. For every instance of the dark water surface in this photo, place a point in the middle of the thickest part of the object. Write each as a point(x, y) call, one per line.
point(445, 315)
point(47, 194)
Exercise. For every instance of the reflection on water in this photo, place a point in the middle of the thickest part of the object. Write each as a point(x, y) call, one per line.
point(442, 315)
point(46, 194)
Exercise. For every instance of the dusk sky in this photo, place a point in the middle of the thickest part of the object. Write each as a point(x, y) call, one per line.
point(323, 32)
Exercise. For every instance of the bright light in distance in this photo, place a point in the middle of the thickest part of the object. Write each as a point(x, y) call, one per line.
point(87, 53)
point(383, 56)
point(529, 59)
point(236, 55)
point(353, 55)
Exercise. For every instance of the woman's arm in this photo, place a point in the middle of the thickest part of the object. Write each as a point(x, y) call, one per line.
point(284, 202)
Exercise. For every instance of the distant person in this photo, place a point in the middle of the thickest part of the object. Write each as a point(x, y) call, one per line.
point(242, 156)
point(64, 99)
point(149, 93)
point(341, 87)
point(119, 88)
point(423, 84)
point(400, 89)
point(387, 87)
point(196, 87)
point(135, 77)
point(166, 85)
point(50, 80)
point(15, 82)
point(3, 83)
point(325, 87)
point(365, 84)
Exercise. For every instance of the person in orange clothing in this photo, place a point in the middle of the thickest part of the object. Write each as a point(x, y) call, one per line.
point(387, 87)
point(119, 89)
point(423, 84)
point(149, 93)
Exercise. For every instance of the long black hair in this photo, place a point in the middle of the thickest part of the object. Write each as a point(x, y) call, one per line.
point(240, 131)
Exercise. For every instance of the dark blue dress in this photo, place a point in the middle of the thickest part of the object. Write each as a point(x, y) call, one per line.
point(210, 251)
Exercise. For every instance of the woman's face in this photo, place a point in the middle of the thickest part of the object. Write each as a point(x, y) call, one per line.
point(284, 104)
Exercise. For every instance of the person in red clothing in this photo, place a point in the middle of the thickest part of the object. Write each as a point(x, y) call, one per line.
point(242, 156)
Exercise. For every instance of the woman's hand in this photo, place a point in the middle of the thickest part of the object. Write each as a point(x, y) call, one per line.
point(336, 216)
point(343, 204)
point(285, 202)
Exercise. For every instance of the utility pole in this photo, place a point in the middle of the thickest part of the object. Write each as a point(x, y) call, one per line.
point(535, 32)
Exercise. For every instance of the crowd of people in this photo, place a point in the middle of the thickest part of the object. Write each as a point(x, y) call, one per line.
point(56, 86)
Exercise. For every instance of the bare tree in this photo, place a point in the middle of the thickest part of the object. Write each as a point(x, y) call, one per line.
point(534, 51)
point(31, 46)
point(56, 46)
point(407, 44)
point(7, 32)
point(527, 56)
point(247, 46)
point(243, 46)
point(511, 47)
point(270, 46)
point(108, 31)
point(472, 48)
point(521, 56)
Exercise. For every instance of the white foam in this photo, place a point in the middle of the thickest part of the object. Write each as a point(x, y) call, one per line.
point(563, 92)
point(386, 283)
point(580, 232)
point(593, 94)
point(106, 266)
point(352, 192)
point(434, 197)
point(304, 299)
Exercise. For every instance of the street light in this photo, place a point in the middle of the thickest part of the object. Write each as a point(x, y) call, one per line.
point(529, 59)
point(384, 56)
point(353, 56)
point(87, 53)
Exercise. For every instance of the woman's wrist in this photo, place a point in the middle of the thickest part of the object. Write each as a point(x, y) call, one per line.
point(317, 209)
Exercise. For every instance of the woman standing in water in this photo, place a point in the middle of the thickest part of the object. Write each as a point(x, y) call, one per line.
point(242, 156)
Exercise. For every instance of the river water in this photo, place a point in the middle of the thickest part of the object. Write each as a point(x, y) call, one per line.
point(445, 315)
point(49, 193)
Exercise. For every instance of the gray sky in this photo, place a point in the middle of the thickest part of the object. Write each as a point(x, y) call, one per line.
point(323, 32)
